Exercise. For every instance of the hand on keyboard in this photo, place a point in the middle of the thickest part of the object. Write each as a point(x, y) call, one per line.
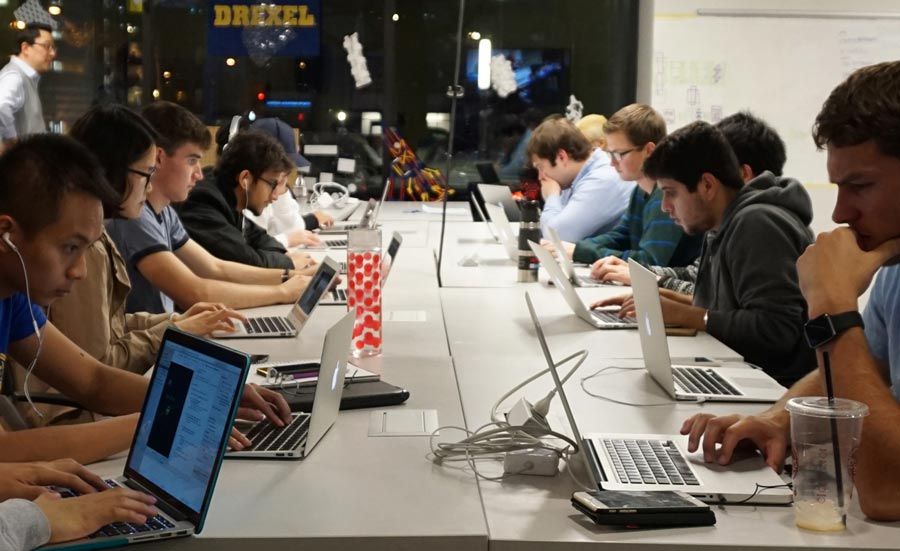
point(624, 302)
point(30, 480)
point(81, 516)
point(767, 432)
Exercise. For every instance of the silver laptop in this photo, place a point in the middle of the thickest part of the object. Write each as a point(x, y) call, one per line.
point(606, 318)
point(369, 218)
point(568, 267)
point(500, 194)
point(259, 327)
point(181, 435)
point(506, 235)
point(338, 295)
point(690, 382)
point(297, 439)
point(660, 462)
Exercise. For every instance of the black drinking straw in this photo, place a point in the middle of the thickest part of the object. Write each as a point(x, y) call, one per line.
point(835, 445)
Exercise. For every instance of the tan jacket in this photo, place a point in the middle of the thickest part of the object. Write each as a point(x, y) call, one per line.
point(93, 317)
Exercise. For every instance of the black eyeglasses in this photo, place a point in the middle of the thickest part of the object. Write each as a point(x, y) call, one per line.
point(148, 175)
point(272, 184)
point(49, 47)
point(619, 155)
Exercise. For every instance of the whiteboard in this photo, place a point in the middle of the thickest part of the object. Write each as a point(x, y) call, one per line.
point(781, 69)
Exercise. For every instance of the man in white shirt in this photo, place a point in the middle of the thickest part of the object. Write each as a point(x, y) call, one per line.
point(20, 105)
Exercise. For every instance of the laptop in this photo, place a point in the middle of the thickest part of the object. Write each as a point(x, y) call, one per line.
point(338, 295)
point(266, 327)
point(180, 439)
point(506, 235)
point(690, 382)
point(606, 318)
point(500, 194)
point(369, 218)
point(660, 462)
point(488, 173)
point(568, 267)
point(297, 439)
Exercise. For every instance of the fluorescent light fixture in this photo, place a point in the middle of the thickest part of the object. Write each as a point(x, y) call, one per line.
point(484, 63)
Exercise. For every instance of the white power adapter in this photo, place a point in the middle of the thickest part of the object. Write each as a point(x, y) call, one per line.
point(537, 461)
point(523, 414)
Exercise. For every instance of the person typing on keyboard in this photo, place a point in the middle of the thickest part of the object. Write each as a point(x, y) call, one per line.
point(747, 294)
point(33, 513)
point(41, 258)
point(857, 126)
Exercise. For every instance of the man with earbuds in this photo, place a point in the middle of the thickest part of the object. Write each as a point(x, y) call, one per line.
point(166, 267)
point(251, 174)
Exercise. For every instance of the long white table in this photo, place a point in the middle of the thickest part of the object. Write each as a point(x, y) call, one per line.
point(474, 341)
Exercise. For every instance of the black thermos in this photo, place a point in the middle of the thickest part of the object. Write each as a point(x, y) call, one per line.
point(529, 230)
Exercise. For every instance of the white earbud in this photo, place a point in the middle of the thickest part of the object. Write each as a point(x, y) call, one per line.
point(9, 242)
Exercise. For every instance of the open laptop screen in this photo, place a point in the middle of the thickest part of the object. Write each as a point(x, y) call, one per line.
point(317, 286)
point(393, 247)
point(186, 420)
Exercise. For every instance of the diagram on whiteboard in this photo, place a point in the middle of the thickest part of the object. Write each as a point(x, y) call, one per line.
point(707, 68)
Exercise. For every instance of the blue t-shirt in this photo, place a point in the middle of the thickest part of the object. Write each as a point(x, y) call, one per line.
point(149, 233)
point(882, 319)
point(15, 321)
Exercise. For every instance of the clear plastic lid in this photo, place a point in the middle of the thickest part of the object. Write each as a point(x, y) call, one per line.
point(818, 406)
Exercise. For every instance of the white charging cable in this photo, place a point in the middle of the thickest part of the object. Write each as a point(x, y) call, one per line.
point(34, 324)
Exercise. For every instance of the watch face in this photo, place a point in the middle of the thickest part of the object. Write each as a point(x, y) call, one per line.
point(819, 331)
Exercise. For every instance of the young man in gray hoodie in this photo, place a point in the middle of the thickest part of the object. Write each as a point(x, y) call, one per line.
point(747, 294)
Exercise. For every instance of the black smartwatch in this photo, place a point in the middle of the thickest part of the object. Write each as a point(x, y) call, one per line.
point(285, 275)
point(826, 327)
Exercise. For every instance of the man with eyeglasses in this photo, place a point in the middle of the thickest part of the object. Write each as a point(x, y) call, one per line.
point(21, 113)
point(583, 195)
point(167, 268)
point(251, 174)
point(644, 233)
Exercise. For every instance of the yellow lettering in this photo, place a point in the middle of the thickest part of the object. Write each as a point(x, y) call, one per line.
point(274, 16)
point(306, 19)
point(240, 16)
point(256, 16)
point(223, 16)
point(289, 15)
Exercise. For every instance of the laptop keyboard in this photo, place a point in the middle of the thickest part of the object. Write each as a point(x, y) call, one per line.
point(274, 324)
point(153, 524)
point(611, 317)
point(266, 436)
point(339, 295)
point(335, 243)
point(698, 380)
point(649, 462)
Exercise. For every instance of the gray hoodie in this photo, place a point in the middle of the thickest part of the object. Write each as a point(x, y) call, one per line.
point(748, 277)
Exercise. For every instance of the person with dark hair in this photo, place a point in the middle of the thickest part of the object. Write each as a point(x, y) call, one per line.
point(758, 148)
point(644, 233)
point(747, 294)
point(251, 174)
point(757, 145)
point(857, 126)
point(583, 196)
point(93, 314)
point(21, 113)
point(166, 267)
point(282, 219)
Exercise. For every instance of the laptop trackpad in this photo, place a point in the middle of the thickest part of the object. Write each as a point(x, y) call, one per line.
point(755, 382)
